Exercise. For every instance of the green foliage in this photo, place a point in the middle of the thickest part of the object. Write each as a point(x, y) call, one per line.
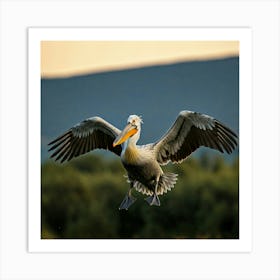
point(80, 199)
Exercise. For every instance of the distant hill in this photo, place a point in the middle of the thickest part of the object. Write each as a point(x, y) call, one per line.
point(158, 93)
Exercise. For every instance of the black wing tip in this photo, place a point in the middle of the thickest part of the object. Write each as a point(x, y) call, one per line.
point(59, 159)
point(226, 128)
point(225, 139)
point(52, 142)
point(51, 148)
point(60, 137)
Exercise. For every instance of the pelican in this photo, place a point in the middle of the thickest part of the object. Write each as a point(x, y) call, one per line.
point(190, 131)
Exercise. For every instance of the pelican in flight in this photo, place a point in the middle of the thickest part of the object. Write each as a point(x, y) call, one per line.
point(190, 131)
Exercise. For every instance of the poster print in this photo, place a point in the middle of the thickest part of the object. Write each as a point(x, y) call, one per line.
point(155, 79)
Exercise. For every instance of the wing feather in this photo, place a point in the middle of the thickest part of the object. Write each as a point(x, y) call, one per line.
point(90, 134)
point(190, 131)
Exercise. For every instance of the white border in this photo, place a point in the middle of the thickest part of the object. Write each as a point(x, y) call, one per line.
point(243, 244)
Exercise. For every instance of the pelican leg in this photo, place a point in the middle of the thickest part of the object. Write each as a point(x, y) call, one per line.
point(128, 200)
point(153, 199)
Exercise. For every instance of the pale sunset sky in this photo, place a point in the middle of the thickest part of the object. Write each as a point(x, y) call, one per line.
point(69, 58)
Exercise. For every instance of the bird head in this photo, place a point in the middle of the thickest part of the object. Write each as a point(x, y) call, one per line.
point(132, 128)
point(135, 120)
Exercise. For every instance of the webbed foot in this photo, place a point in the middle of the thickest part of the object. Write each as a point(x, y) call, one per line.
point(153, 200)
point(127, 202)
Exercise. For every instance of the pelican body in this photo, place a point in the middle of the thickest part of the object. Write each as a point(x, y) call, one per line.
point(143, 163)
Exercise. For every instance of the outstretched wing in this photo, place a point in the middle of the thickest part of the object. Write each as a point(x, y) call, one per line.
point(190, 131)
point(90, 134)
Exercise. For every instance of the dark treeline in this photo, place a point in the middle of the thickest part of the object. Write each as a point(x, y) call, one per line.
point(80, 199)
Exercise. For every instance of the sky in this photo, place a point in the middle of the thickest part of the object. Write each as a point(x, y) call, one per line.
point(70, 58)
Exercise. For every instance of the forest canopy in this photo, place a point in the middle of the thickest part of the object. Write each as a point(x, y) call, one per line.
point(80, 199)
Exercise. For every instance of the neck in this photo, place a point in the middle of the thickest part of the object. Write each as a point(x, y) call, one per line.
point(130, 152)
point(130, 143)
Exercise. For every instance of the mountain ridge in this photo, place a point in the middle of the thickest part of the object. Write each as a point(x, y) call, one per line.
point(158, 93)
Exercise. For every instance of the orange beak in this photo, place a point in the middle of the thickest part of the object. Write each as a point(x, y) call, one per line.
point(127, 132)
